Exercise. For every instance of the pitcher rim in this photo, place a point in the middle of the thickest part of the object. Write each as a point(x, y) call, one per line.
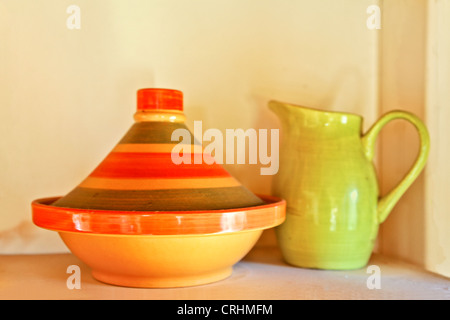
point(317, 109)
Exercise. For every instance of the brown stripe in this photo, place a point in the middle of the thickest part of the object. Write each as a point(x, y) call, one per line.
point(154, 132)
point(160, 200)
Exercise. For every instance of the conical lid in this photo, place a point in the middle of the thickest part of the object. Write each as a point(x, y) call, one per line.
point(140, 176)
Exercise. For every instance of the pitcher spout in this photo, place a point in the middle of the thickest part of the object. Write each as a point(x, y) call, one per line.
point(329, 121)
point(282, 110)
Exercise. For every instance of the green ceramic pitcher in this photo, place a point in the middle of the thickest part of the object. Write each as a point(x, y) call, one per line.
point(329, 182)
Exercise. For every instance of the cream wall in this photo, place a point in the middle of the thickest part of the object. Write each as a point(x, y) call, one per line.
point(402, 86)
point(67, 96)
point(437, 101)
point(414, 76)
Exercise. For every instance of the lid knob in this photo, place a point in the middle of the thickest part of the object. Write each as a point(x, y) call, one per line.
point(159, 99)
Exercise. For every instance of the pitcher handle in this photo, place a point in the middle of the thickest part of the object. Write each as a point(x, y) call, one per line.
point(387, 203)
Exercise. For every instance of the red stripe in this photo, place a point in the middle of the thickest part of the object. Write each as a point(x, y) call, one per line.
point(153, 165)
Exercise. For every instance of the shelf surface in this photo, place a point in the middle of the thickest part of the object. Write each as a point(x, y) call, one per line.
point(261, 275)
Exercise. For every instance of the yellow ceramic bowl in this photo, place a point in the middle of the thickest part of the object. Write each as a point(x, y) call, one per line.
point(159, 249)
point(160, 261)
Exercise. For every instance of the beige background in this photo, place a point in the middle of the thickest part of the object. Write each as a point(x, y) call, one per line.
point(67, 96)
point(437, 107)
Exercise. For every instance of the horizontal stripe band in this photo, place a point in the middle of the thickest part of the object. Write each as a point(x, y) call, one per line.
point(130, 165)
point(160, 200)
point(158, 184)
point(157, 132)
point(156, 147)
point(47, 215)
point(159, 115)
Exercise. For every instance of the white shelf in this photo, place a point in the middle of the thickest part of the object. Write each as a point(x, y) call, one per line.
point(261, 275)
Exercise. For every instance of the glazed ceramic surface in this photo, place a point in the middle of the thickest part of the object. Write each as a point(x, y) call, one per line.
point(164, 223)
point(140, 219)
point(329, 183)
point(161, 261)
point(139, 174)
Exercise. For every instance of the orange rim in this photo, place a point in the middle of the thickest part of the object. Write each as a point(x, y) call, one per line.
point(111, 222)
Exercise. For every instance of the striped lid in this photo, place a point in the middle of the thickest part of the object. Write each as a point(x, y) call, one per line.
point(140, 189)
point(140, 175)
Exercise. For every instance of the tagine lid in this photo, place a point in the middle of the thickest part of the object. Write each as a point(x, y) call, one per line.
point(147, 185)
